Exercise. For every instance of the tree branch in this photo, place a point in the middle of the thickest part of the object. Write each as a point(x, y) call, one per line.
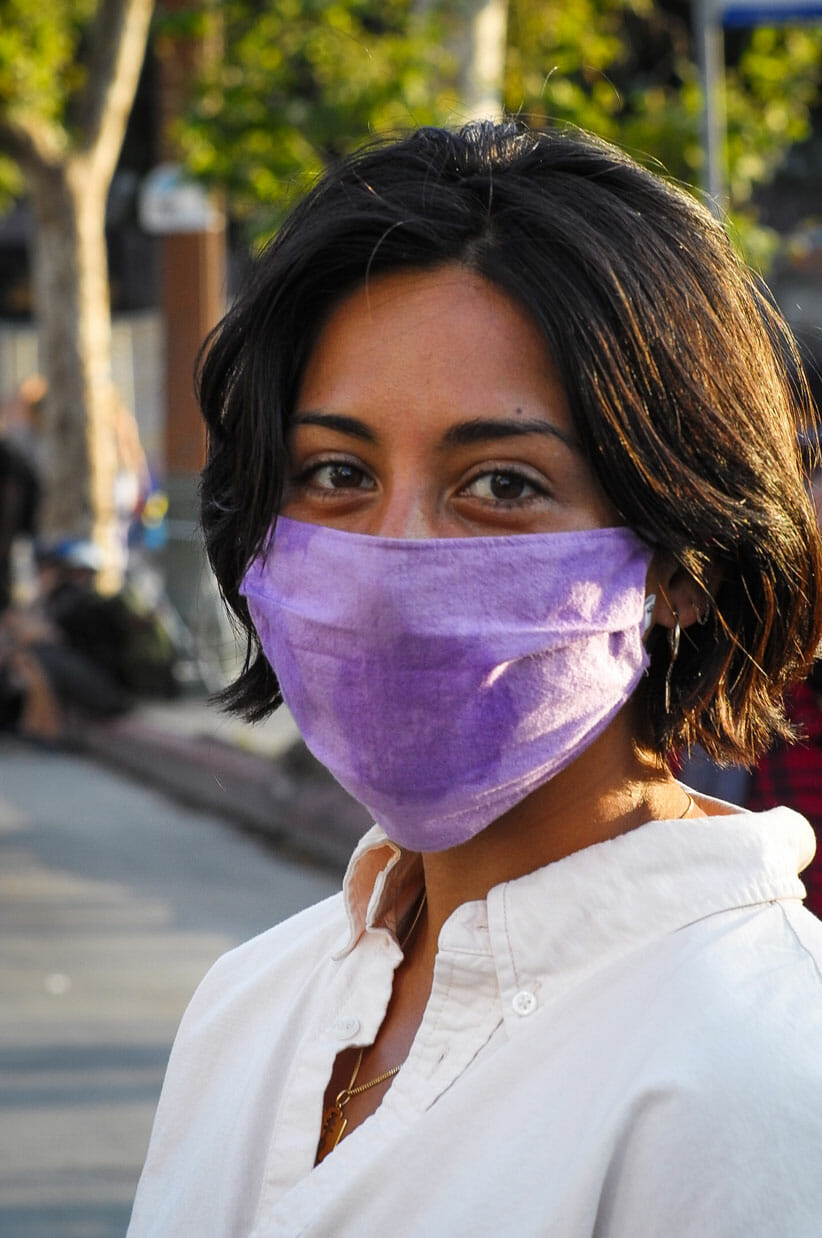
point(117, 46)
point(35, 145)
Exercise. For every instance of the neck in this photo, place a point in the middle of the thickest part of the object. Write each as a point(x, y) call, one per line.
point(609, 790)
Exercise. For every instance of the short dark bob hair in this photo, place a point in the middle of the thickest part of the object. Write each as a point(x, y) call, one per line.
point(682, 380)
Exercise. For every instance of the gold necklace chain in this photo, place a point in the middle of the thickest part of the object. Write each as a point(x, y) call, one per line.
point(334, 1119)
point(345, 1095)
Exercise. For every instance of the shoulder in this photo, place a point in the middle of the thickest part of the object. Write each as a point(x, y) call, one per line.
point(245, 1003)
point(256, 986)
point(726, 1113)
point(282, 956)
point(741, 986)
point(232, 1053)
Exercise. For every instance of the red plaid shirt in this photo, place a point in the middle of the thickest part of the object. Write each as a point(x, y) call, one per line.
point(792, 775)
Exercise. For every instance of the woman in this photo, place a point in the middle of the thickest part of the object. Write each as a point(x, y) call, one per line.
point(525, 425)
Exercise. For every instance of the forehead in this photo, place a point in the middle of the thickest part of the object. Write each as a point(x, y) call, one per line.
point(446, 335)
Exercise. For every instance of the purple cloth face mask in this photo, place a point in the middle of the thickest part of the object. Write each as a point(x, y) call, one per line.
point(442, 680)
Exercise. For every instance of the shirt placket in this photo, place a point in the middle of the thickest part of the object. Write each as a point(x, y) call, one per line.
point(461, 1017)
point(356, 1004)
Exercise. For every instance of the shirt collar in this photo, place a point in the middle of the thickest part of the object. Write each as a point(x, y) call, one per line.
point(381, 883)
point(575, 916)
point(605, 899)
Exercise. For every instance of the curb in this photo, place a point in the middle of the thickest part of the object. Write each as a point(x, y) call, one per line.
point(290, 800)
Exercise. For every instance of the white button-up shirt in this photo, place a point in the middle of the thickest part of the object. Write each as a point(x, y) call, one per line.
point(626, 1043)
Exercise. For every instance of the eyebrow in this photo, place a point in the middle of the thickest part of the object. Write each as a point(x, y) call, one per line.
point(484, 429)
point(351, 426)
point(465, 433)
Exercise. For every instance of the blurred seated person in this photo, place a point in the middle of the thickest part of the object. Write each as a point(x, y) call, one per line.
point(95, 652)
point(119, 632)
point(52, 672)
point(29, 706)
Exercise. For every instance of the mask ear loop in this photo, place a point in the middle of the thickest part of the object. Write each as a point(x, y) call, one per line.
point(648, 614)
point(673, 641)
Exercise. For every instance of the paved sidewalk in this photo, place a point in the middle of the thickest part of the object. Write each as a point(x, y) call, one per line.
point(261, 776)
point(114, 902)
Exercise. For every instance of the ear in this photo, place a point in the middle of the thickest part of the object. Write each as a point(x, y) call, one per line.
point(678, 596)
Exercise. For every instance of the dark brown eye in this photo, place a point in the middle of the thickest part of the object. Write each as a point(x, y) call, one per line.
point(507, 485)
point(503, 486)
point(338, 475)
point(342, 476)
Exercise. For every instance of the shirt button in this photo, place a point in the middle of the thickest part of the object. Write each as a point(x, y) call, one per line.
point(524, 1003)
point(346, 1028)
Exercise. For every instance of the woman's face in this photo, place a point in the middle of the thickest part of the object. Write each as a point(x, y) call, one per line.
point(429, 408)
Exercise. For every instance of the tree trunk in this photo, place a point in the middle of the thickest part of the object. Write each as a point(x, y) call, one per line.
point(68, 170)
point(72, 305)
point(479, 42)
point(482, 59)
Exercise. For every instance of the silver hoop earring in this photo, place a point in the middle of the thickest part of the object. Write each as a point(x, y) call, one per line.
point(673, 641)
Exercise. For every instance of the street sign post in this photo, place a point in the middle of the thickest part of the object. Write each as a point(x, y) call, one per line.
point(710, 17)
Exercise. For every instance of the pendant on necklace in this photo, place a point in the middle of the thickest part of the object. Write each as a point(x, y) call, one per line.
point(334, 1124)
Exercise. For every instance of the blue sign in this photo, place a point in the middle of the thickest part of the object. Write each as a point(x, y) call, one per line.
point(767, 12)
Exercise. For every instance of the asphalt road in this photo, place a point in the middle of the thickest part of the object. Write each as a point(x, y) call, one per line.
point(113, 903)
